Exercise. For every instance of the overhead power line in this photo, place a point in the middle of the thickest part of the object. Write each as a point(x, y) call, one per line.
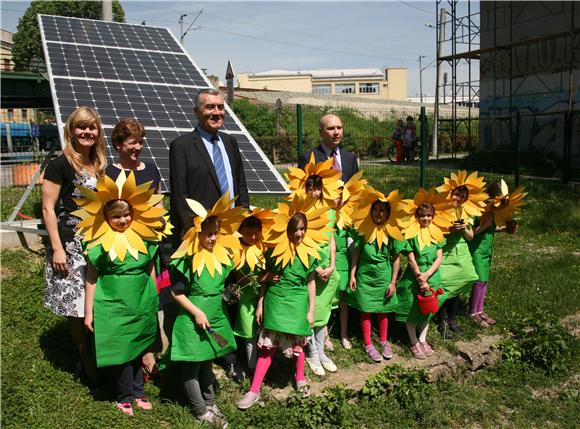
point(296, 45)
point(406, 3)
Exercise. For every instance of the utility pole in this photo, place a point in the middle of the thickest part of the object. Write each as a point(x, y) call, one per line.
point(421, 78)
point(107, 10)
point(182, 23)
point(439, 40)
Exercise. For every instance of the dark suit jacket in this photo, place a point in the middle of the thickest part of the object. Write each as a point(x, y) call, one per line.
point(192, 175)
point(348, 161)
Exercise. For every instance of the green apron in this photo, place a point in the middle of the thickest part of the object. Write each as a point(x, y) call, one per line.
point(189, 342)
point(245, 325)
point(407, 287)
point(373, 275)
point(125, 306)
point(342, 260)
point(457, 271)
point(326, 292)
point(286, 302)
point(481, 248)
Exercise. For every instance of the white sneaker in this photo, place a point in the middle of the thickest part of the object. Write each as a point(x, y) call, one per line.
point(329, 365)
point(214, 420)
point(248, 400)
point(316, 369)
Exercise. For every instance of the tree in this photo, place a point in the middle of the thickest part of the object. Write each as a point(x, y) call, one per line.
point(27, 50)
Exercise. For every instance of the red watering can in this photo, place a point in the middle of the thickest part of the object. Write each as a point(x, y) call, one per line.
point(429, 304)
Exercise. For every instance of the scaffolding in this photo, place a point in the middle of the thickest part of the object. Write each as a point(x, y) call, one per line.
point(527, 76)
point(458, 41)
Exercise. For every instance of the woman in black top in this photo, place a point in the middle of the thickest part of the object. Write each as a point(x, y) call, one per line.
point(127, 138)
point(82, 161)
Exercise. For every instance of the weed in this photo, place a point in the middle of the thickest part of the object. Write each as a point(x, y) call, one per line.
point(539, 340)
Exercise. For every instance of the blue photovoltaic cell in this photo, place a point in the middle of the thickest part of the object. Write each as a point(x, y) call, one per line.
point(136, 71)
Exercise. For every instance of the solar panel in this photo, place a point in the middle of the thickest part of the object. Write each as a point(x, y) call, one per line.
point(137, 71)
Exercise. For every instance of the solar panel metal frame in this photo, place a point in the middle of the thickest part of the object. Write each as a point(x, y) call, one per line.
point(243, 132)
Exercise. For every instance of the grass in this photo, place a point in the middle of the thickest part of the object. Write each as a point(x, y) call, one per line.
point(536, 268)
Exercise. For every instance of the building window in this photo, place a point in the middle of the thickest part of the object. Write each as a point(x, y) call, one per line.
point(10, 114)
point(321, 89)
point(344, 88)
point(24, 115)
point(368, 88)
point(6, 64)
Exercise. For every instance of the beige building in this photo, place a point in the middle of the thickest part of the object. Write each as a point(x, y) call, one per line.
point(387, 84)
point(6, 51)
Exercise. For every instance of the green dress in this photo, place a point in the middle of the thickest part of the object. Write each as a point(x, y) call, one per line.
point(189, 342)
point(245, 325)
point(286, 302)
point(457, 271)
point(373, 275)
point(125, 306)
point(481, 248)
point(326, 292)
point(342, 259)
point(407, 288)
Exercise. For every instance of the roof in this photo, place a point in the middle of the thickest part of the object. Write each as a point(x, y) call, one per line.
point(323, 73)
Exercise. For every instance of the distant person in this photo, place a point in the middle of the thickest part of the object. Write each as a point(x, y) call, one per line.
point(398, 139)
point(204, 165)
point(331, 133)
point(82, 161)
point(409, 139)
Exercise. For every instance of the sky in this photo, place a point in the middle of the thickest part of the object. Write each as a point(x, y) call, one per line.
point(264, 35)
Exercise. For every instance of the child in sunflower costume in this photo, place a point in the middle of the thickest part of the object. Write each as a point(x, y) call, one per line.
point(429, 219)
point(250, 266)
point(375, 265)
point(343, 232)
point(121, 230)
point(202, 331)
point(286, 306)
point(498, 217)
point(466, 195)
point(320, 184)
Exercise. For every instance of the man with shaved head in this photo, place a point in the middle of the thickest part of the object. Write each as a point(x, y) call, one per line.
point(331, 133)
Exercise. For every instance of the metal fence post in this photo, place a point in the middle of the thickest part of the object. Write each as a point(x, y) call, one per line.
point(566, 155)
point(299, 128)
point(424, 146)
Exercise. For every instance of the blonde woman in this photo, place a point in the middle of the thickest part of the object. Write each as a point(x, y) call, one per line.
point(82, 161)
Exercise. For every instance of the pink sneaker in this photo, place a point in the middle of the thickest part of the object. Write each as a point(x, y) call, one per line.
point(144, 403)
point(417, 351)
point(427, 350)
point(488, 319)
point(126, 408)
point(373, 353)
point(387, 350)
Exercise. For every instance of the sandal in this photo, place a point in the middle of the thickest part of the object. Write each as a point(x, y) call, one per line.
point(488, 319)
point(346, 343)
point(303, 387)
point(479, 320)
point(126, 408)
point(143, 403)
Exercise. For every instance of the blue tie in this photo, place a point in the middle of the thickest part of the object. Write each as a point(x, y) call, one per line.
point(218, 163)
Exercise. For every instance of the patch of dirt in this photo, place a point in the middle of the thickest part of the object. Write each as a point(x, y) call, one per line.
point(572, 384)
point(572, 322)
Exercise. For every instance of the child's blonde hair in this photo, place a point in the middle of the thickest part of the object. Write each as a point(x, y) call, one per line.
point(83, 117)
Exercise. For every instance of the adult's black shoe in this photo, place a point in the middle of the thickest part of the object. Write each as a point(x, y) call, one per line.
point(453, 326)
point(234, 373)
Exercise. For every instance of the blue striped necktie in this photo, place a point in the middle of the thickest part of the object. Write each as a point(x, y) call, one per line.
point(218, 163)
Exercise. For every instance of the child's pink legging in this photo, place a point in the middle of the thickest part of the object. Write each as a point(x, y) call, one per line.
point(365, 327)
point(264, 361)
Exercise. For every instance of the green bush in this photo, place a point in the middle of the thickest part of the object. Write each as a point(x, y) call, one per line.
point(539, 340)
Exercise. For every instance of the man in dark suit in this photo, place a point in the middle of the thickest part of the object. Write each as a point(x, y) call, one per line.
point(205, 163)
point(331, 133)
